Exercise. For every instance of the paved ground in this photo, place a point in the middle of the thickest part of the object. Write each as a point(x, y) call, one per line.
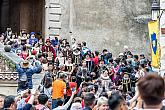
point(37, 79)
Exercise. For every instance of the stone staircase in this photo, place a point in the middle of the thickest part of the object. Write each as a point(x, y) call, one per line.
point(8, 76)
point(53, 13)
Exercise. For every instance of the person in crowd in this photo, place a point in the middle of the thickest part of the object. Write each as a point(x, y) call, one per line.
point(59, 90)
point(84, 50)
point(49, 51)
point(96, 58)
point(141, 71)
point(64, 42)
point(25, 72)
point(24, 54)
point(73, 43)
point(151, 89)
point(99, 68)
point(106, 56)
point(77, 56)
point(126, 83)
point(67, 52)
point(46, 87)
point(104, 53)
point(24, 38)
point(72, 85)
point(69, 65)
point(33, 40)
point(89, 101)
point(89, 62)
point(136, 60)
point(117, 102)
point(82, 73)
point(55, 41)
point(10, 102)
point(1, 102)
point(106, 81)
point(142, 56)
point(76, 105)
point(126, 51)
point(60, 60)
point(102, 103)
point(24, 97)
point(66, 106)
point(42, 99)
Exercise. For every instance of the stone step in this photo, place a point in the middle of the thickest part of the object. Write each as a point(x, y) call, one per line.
point(37, 78)
point(54, 5)
point(55, 11)
point(54, 31)
point(53, 17)
point(53, 35)
point(54, 25)
point(54, 1)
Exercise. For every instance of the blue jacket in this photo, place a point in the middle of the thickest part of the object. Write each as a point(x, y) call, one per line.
point(29, 72)
point(31, 41)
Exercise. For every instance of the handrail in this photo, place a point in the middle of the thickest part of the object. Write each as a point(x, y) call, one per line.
point(10, 59)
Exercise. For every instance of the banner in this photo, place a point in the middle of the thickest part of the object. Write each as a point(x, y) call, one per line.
point(153, 27)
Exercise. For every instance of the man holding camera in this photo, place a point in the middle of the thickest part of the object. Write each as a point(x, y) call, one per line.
point(25, 73)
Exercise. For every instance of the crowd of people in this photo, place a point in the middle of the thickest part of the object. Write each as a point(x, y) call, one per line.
point(77, 78)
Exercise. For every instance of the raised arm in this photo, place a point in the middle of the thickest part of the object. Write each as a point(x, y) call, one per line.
point(70, 100)
point(37, 68)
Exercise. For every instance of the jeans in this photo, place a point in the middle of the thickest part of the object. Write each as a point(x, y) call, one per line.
point(54, 103)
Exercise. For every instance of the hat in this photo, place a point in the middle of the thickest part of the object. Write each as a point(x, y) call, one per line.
point(34, 52)
point(25, 64)
point(125, 47)
point(62, 75)
point(48, 40)
point(76, 106)
point(77, 99)
point(32, 33)
point(121, 54)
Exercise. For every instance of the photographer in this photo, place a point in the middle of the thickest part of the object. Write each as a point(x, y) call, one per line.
point(25, 72)
point(82, 73)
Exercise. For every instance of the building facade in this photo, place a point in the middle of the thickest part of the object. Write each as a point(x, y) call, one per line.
point(102, 23)
point(32, 15)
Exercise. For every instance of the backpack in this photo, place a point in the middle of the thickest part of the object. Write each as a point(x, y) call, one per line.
point(23, 81)
point(47, 80)
point(23, 77)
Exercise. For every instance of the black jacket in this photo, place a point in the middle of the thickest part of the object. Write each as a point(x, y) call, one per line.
point(87, 108)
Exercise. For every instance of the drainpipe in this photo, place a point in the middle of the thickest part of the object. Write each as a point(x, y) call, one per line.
point(46, 19)
point(71, 20)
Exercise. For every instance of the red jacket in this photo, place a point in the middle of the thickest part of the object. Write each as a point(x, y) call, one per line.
point(96, 60)
point(49, 49)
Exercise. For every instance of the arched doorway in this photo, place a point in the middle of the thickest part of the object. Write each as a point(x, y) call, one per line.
point(22, 14)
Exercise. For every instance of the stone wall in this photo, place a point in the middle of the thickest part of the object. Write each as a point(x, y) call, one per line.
point(108, 24)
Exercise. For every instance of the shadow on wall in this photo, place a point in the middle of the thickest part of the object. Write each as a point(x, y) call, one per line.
point(104, 25)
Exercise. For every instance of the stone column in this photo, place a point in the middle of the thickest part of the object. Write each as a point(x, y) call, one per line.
point(4, 23)
point(25, 14)
point(46, 18)
point(52, 18)
point(71, 20)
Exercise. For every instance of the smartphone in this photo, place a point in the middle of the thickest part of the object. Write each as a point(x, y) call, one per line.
point(73, 89)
